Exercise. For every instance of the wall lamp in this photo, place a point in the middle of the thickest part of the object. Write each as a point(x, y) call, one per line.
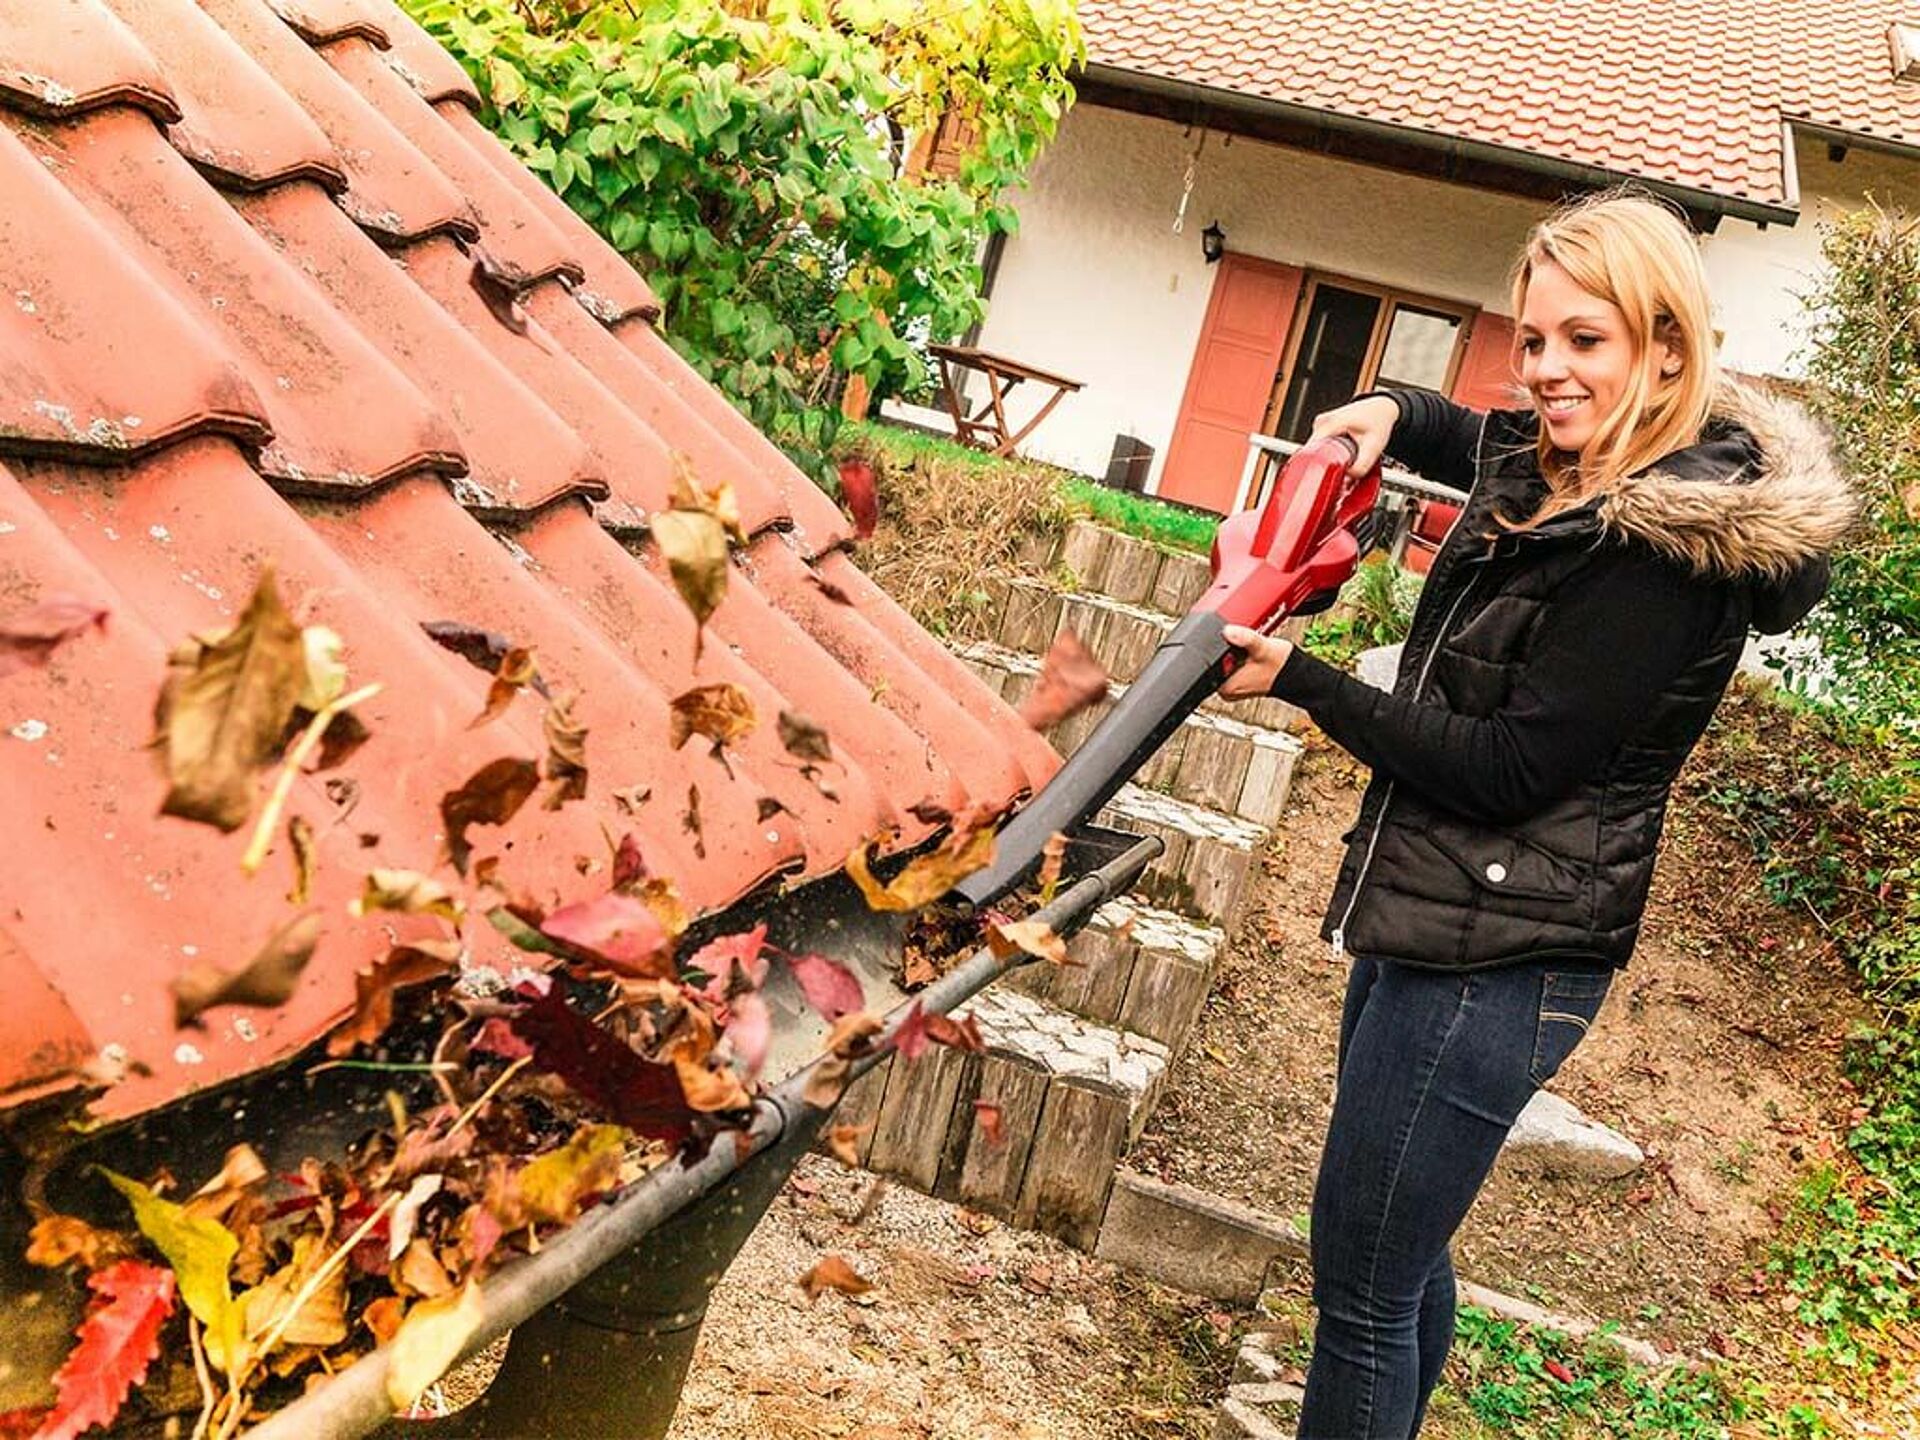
point(1213, 242)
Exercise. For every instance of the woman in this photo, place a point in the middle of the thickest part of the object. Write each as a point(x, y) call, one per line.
point(1622, 534)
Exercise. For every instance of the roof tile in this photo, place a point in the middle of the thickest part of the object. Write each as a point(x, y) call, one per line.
point(338, 398)
point(1717, 77)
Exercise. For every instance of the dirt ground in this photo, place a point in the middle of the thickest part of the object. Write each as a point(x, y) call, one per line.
point(1717, 1052)
point(973, 1331)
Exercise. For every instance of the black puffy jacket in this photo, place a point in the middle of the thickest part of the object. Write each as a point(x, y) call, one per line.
point(1472, 851)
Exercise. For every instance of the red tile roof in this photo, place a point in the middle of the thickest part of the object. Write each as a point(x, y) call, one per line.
point(1691, 93)
point(240, 322)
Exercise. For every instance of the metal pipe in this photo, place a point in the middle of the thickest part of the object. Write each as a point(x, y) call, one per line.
point(355, 1402)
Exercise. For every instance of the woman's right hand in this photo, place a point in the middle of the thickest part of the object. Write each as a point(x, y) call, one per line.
point(1368, 423)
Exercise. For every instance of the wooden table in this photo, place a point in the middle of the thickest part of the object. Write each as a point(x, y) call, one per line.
point(987, 428)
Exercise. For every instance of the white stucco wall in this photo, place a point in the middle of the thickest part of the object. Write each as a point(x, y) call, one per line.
point(1759, 276)
point(1096, 286)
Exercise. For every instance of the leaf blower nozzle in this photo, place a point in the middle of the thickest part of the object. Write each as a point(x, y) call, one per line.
point(1288, 557)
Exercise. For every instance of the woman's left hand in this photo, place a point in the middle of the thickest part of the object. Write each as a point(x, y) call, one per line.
point(1265, 655)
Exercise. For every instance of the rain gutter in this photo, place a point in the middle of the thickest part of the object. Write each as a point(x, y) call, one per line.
point(354, 1402)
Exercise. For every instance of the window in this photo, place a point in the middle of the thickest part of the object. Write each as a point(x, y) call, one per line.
point(1904, 42)
point(1352, 336)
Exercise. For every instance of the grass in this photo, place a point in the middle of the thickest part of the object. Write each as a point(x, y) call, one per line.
point(1141, 515)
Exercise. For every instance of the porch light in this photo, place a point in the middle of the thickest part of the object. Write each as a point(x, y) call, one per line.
point(1213, 242)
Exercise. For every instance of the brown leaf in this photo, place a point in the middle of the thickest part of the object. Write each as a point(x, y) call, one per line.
point(239, 1172)
point(483, 649)
point(691, 823)
point(550, 1189)
point(928, 813)
point(383, 1316)
point(56, 1239)
point(717, 500)
point(926, 877)
point(722, 713)
point(224, 708)
point(695, 545)
point(418, 1271)
point(267, 981)
point(566, 752)
point(407, 892)
point(1034, 937)
point(492, 795)
point(850, 1037)
point(1070, 680)
point(844, 1142)
point(517, 670)
point(1053, 855)
point(766, 807)
point(827, 588)
point(300, 839)
point(631, 798)
point(374, 987)
point(833, 1273)
point(30, 636)
point(500, 282)
point(804, 739)
point(322, 1317)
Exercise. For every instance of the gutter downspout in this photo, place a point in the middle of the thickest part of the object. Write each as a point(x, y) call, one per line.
point(582, 1364)
point(1230, 102)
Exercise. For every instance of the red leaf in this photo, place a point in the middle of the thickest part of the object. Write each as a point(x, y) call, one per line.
point(618, 932)
point(920, 1029)
point(1070, 680)
point(1559, 1372)
point(644, 1095)
point(29, 637)
point(496, 1037)
point(628, 866)
point(719, 958)
point(911, 1039)
point(828, 985)
point(750, 1032)
point(118, 1340)
point(863, 502)
point(990, 1118)
point(22, 1424)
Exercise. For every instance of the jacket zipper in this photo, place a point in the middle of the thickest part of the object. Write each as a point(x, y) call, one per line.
point(1419, 689)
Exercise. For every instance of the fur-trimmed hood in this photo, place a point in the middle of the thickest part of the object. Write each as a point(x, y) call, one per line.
point(1761, 498)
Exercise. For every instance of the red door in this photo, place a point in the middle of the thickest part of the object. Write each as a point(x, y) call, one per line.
point(1231, 380)
point(1486, 380)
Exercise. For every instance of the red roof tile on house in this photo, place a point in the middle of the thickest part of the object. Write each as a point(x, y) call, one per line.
point(242, 325)
point(1691, 93)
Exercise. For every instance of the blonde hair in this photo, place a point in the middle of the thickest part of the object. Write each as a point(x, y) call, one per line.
point(1634, 251)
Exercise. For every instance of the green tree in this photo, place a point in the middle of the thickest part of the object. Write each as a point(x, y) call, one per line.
point(748, 158)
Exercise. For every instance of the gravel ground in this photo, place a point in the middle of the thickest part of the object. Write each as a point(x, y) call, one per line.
point(973, 1331)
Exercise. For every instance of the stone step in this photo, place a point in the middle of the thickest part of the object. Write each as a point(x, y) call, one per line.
point(1139, 969)
point(1258, 1411)
point(1209, 861)
point(1024, 615)
point(1131, 570)
point(1215, 760)
point(1071, 1097)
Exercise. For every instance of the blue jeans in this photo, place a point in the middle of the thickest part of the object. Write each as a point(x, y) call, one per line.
point(1434, 1069)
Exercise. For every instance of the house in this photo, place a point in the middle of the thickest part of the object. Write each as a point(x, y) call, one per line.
point(1371, 172)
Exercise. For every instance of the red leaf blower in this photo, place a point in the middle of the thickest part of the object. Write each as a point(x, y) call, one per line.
point(1298, 548)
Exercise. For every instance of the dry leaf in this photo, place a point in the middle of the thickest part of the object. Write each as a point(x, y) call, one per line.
point(722, 713)
point(267, 981)
point(118, 1341)
point(830, 987)
point(322, 1317)
point(629, 867)
point(857, 489)
point(492, 795)
point(482, 649)
point(1070, 680)
point(926, 877)
point(300, 839)
point(804, 739)
point(566, 752)
point(429, 1340)
point(766, 807)
point(550, 1189)
point(224, 709)
point(374, 987)
point(695, 545)
point(844, 1142)
point(56, 1239)
point(382, 1317)
point(30, 636)
point(833, 1273)
point(691, 822)
point(1053, 855)
point(827, 588)
point(616, 931)
point(517, 670)
point(409, 893)
point(991, 1120)
point(1033, 937)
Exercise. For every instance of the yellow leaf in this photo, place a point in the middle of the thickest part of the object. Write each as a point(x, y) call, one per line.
point(926, 877)
point(324, 655)
point(551, 1187)
point(695, 545)
point(429, 1340)
point(199, 1250)
point(410, 893)
point(1034, 937)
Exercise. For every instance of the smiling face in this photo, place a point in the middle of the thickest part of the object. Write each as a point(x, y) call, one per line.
point(1578, 356)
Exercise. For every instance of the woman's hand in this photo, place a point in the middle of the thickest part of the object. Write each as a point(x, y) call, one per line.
point(1265, 655)
point(1368, 423)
